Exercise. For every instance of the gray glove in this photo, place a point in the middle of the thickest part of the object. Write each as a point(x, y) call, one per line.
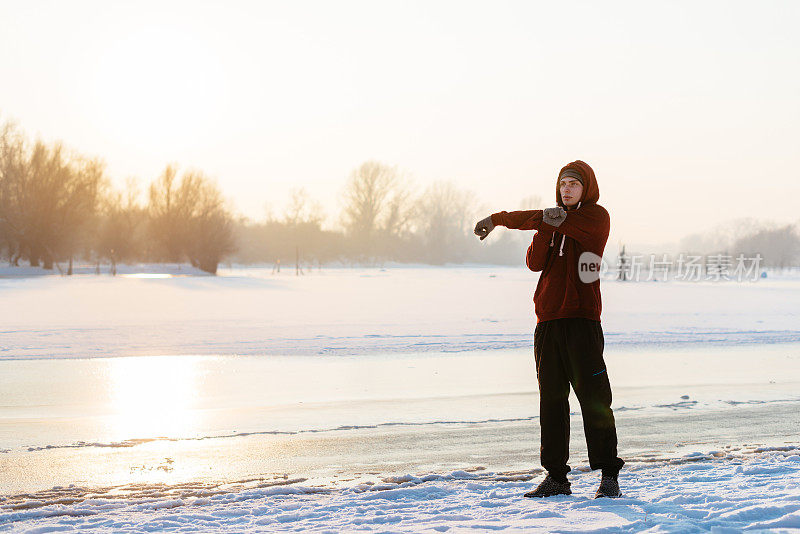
point(554, 216)
point(483, 227)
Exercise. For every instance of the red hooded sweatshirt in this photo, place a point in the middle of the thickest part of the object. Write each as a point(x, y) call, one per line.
point(555, 251)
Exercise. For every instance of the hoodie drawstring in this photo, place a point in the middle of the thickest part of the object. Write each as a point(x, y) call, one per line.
point(563, 238)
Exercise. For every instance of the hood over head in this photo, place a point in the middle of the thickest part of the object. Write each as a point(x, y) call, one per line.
point(591, 191)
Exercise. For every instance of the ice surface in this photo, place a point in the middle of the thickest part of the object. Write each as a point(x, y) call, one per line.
point(398, 399)
point(361, 311)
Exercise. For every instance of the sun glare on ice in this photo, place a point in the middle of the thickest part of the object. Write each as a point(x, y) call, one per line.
point(153, 396)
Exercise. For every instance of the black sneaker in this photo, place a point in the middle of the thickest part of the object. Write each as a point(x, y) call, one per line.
point(609, 487)
point(549, 487)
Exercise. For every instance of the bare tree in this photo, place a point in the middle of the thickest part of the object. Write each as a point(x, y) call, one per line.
point(444, 215)
point(167, 216)
point(47, 195)
point(302, 209)
point(721, 237)
point(778, 246)
point(12, 178)
point(377, 205)
point(79, 208)
point(121, 223)
point(211, 223)
point(188, 218)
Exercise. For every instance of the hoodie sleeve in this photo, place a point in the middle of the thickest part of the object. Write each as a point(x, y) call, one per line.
point(536, 258)
point(518, 220)
point(589, 226)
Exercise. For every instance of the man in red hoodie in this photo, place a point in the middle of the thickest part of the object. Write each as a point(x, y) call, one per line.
point(568, 340)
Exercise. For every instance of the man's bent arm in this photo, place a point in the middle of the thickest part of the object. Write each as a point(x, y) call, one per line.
point(518, 220)
point(589, 226)
point(536, 259)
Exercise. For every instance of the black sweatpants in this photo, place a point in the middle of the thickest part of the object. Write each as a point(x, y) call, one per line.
point(570, 351)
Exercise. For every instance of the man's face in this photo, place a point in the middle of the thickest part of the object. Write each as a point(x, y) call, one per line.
point(571, 190)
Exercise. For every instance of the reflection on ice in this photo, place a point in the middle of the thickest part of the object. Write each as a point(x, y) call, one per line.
point(152, 396)
point(176, 419)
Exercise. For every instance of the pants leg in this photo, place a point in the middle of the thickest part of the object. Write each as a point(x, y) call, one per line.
point(587, 370)
point(548, 350)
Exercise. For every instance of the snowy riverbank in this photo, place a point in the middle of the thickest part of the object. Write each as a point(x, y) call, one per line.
point(718, 491)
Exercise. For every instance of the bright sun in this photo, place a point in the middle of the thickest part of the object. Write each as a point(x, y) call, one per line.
point(159, 86)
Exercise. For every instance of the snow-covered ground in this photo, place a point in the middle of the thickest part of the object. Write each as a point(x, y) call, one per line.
point(365, 311)
point(727, 490)
point(398, 399)
point(139, 269)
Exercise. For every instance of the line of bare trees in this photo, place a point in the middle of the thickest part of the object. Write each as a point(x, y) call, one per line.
point(57, 205)
point(381, 219)
point(778, 244)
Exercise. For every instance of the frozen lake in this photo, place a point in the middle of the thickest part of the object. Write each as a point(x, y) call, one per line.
point(110, 421)
point(365, 311)
point(114, 387)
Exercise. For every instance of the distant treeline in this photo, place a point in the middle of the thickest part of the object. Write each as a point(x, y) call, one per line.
point(381, 220)
point(777, 244)
point(57, 206)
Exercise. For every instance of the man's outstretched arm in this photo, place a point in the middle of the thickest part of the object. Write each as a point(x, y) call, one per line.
point(518, 220)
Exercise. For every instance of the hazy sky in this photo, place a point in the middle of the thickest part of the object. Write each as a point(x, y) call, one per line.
point(689, 111)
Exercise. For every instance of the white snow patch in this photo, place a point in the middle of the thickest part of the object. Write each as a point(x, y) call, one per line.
point(743, 490)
